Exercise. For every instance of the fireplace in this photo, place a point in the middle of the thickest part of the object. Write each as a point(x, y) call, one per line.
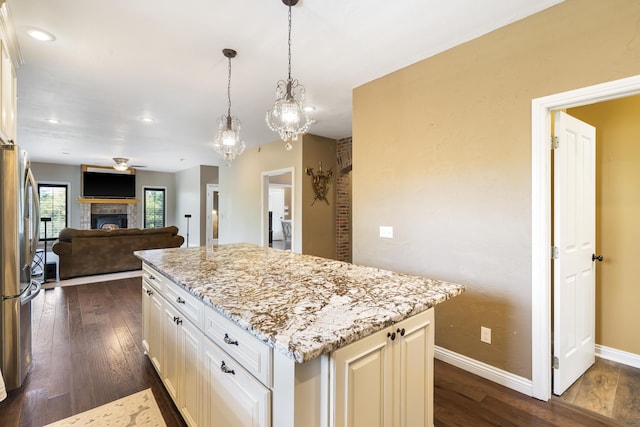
point(103, 214)
point(108, 221)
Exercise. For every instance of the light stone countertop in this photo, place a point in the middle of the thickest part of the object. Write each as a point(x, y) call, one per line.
point(301, 305)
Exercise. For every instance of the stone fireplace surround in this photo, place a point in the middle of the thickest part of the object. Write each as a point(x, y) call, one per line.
point(104, 207)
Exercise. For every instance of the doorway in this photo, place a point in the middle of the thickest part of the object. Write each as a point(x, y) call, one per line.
point(213, 194)
point(541, 216)
point(277, 209)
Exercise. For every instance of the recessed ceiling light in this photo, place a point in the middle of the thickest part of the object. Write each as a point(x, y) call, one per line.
point(147, 119)
point(41, 35)
point(54, 121)
point(309, 108)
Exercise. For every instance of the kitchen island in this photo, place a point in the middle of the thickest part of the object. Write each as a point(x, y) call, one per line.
point(246, 335)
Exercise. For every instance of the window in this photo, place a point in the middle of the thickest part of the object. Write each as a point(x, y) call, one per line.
point(154, 207)
point(53, 204)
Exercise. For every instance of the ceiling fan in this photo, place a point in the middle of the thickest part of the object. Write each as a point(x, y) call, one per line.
point(122, 164)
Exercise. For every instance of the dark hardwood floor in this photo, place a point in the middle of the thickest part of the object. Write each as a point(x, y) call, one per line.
point(87, 352)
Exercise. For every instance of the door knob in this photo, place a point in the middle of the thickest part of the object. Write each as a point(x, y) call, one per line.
point(595, 257)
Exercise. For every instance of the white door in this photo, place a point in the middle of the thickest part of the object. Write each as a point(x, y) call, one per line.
point(276, 206)
point(574, 238)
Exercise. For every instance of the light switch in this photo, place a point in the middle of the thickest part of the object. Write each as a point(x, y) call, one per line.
point(386, 232)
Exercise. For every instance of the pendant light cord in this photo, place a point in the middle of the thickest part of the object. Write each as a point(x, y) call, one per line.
point(289, 41)
point(229, 91)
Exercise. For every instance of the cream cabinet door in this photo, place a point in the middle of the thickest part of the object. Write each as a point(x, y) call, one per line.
point(363, 384)
point(171, 349)
point(414, 371)
point(190, 374)
point(146, 316)
point(231, 396)
point(386, 379)
point(155, 336)
point(7, 99)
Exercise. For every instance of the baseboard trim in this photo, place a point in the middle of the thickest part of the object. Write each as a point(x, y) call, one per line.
point(481, 369)
point(618, 356)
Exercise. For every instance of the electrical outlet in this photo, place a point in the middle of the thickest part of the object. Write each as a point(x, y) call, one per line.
point(386, 231)
point(485, 335)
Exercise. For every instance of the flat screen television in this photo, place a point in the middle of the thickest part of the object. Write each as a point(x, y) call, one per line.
point(108, 185)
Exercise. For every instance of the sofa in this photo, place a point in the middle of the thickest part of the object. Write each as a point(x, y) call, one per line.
point(87, 252)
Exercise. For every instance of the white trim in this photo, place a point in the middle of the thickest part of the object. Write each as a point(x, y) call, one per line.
point(264, 204)
point(483, 370)
point(540, 216)
point(618, 356)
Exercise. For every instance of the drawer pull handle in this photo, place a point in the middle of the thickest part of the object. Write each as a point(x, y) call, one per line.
point(151, 277)
point(224, 368)
point(180, 300)
point(229, 340)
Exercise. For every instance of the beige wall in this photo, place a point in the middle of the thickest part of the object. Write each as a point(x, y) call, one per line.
point(442, 152)
point(617, 212)
point(240, 192)
point(319, 219)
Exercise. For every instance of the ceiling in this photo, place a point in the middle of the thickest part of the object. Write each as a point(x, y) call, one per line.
point(115, 62)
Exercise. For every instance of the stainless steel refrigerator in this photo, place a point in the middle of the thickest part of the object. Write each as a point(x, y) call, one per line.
point(19, 228)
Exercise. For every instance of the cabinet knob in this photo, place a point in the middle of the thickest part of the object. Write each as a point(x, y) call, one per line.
point(149, 292)
point(180, 300)
point(229, 340)
point(224, 368)
point(177, 320)
point(391, 335)
point(151, 277)
point(401, 332)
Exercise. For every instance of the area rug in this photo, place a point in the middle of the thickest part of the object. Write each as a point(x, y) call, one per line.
point(139, 409)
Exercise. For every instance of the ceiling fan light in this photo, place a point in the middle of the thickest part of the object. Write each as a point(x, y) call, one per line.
point(122, 164)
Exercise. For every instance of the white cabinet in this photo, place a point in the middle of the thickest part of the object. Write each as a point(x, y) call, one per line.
point(173, 343)
point(233, 397)
point(152, 334)
point(218, 374)
point(181, 365)
point(386, 379)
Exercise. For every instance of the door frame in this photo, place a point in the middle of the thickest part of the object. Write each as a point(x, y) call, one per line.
point(541, 108)
point(209, 216)
point(264, 197)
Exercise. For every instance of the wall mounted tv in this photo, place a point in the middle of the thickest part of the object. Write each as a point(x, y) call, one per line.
point(108, 185)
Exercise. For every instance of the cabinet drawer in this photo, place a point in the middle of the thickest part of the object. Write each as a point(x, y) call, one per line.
point(190, 306)
point(152, 277)
point(247, 350)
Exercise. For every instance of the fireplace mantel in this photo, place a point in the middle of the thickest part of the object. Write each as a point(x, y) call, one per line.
point(109, 201)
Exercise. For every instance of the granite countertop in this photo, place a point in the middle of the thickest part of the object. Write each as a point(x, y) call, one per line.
point(301, 305)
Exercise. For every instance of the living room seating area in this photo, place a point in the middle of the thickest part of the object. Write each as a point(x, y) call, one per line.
point(89, 252)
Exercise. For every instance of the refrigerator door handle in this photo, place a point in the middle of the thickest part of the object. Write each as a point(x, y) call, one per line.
point(34, 293)
point(24, 292)
point(35, 225)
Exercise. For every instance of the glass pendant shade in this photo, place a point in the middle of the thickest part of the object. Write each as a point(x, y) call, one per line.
point(228, 143)
point(287, 116)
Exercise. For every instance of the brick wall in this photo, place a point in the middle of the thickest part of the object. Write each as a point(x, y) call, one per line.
point(343, 200)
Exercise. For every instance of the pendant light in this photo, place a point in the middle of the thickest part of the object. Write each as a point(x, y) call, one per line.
point(228, 143)
point(287, 116)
